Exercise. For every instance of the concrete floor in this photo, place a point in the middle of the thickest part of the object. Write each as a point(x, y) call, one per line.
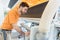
point(12, 38)
point(1, 38)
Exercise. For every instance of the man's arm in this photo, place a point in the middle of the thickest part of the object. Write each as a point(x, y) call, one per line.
point(25, 26)
point(28, 28)
point(18, 29)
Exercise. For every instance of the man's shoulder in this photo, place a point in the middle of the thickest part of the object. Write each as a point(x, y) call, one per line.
point(11, 12)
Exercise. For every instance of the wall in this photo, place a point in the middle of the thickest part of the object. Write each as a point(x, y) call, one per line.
point(1, 14)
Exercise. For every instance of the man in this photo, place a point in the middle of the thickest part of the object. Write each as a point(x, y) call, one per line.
point(10, 21)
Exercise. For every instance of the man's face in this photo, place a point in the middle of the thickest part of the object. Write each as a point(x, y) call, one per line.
point(23, 10)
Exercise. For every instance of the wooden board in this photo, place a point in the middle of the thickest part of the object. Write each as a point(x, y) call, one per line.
point(34, 2)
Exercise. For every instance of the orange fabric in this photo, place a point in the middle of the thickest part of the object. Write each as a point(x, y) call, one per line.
point(11, 18)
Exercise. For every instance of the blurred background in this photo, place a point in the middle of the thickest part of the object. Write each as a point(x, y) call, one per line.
point(33, 16)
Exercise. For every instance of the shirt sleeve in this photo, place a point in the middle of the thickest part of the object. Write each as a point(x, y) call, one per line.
point(12, 17)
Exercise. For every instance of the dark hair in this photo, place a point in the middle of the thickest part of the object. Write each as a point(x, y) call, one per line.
point(24, 4)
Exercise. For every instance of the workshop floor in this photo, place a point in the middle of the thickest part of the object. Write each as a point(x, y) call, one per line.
point(12, 38)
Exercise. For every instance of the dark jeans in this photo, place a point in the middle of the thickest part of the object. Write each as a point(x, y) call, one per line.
point(5, 34)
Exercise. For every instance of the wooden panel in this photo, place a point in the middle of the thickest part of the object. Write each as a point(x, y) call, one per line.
point(34, 2)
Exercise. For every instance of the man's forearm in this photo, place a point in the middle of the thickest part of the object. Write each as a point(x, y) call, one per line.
point(17, 29)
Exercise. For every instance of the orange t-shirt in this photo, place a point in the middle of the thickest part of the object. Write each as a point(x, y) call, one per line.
point(11, 18)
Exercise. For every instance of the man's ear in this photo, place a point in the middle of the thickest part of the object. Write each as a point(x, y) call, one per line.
point(20, 7)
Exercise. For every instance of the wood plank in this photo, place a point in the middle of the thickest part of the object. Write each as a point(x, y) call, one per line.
point(34, 2)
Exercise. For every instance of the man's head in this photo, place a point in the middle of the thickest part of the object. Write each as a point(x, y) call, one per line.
point(23, 8)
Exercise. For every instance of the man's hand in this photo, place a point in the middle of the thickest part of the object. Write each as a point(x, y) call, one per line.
point(22, 34)
point(27, 33)
point(18, 29)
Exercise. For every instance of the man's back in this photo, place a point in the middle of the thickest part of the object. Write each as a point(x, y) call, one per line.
point(11, 18)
